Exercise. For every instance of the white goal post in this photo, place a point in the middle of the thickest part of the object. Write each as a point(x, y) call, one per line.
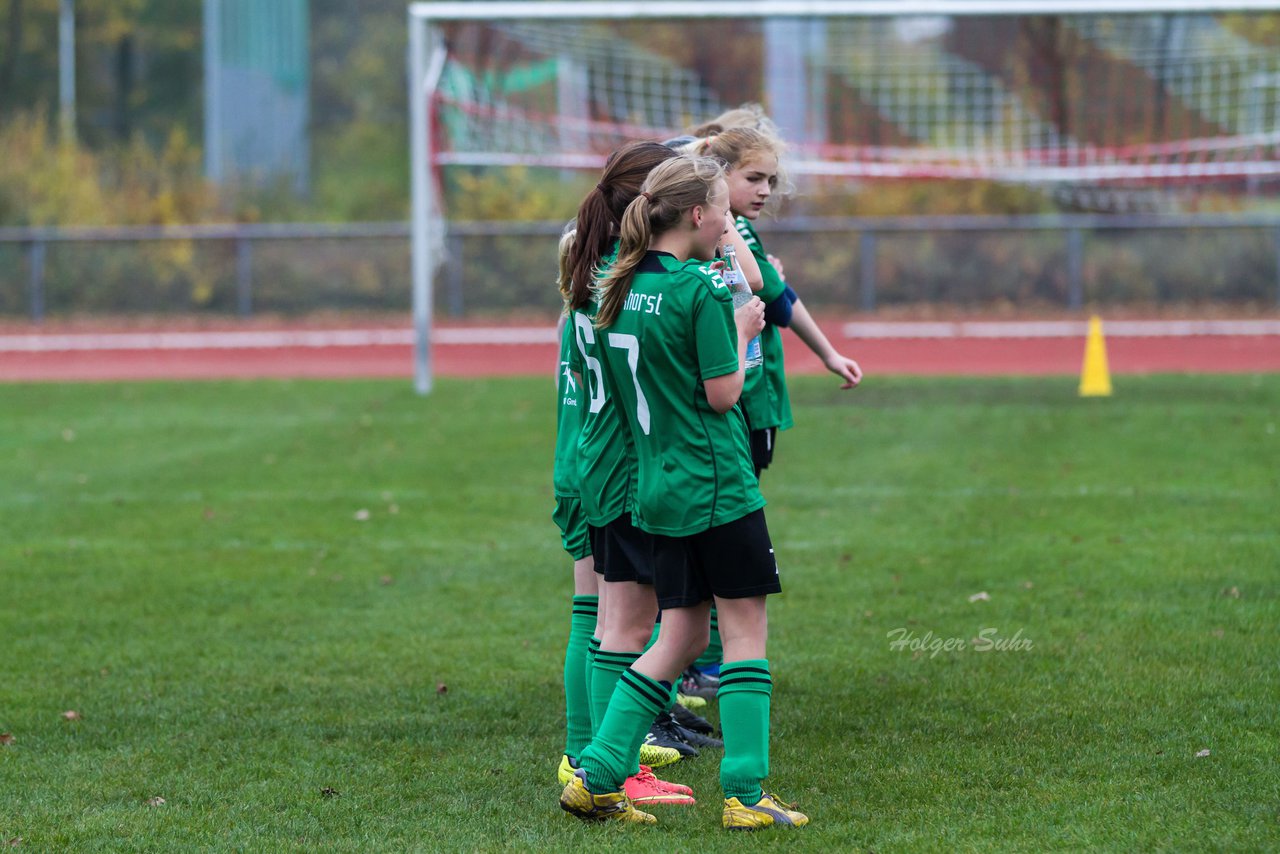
point(428, 58)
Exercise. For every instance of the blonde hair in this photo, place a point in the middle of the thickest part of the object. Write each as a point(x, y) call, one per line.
point(749, 115)
point(671, 189)
point(740, 144)
point(565, 279)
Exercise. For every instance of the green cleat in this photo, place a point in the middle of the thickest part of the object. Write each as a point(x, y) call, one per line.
point(693, 704)
point(657, 756)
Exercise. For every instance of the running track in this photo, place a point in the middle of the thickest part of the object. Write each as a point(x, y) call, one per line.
point(973, 348)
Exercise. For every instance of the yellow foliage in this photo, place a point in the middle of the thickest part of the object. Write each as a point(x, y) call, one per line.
point(517, 193)
point(44, 181)
point(51, 182)
point(1261, 29)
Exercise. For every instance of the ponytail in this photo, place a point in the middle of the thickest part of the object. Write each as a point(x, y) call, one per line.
point(670, 190)
point(613, 289)
point(600, 215)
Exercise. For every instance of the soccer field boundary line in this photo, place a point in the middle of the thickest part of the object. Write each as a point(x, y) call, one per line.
point(546, 335)
point(1061, 329)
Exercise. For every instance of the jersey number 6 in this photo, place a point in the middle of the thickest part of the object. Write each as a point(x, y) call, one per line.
point(586, 335)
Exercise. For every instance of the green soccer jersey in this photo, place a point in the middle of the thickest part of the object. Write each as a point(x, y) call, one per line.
point(764, 395)
point(568, 405)
point(675, 331)
point(606, 459)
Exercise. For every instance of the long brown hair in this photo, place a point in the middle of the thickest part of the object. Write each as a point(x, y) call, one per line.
point(671, 189)
point(600, 217)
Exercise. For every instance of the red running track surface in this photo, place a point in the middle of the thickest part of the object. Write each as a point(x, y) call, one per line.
point(24, 358)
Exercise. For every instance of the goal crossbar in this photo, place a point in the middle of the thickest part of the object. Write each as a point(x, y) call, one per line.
point(624, 9)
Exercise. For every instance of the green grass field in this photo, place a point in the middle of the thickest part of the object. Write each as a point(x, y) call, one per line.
point(182, 565)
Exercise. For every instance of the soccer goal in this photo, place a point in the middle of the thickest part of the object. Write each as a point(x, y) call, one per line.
point(1099, 104)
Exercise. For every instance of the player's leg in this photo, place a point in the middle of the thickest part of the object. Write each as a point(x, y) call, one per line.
point(583, 615)
point(602, 615)
point(710, 660)
point(624, 556)
point(644, 689)
point(625, 634)
point(738, 558)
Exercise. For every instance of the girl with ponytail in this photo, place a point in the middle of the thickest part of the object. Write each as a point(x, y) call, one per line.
point(614, 606)
point(669, 347)
point(606, 473)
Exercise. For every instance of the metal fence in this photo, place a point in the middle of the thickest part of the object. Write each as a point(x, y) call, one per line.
point(489, 268)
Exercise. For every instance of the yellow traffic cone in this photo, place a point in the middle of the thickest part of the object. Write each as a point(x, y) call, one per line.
point(1095, 379)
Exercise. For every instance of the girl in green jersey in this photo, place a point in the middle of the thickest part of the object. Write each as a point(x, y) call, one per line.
point(604, 473)
point(574, 537)
point(672, 358)
point(752, 157)
point(607, 464)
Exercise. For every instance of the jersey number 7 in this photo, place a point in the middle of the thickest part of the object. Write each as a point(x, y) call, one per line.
point(629, 344)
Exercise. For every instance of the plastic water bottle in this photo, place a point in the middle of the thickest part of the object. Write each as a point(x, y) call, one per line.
point(732, 276)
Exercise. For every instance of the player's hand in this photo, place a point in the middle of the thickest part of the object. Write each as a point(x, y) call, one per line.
point(777, 265)
point(750, 318)
point(845, 368)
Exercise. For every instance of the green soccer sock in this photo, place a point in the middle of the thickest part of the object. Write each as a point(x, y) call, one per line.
point(577, 700)
point(745, 689)
point(605, 670)
point(611, 756)
point(593, 647)
point(715, 650)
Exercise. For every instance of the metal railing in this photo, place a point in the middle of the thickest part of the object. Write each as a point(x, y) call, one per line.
point(35, 242)
point(507, 265)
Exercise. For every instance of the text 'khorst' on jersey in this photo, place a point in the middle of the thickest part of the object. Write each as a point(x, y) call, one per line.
point(643, 303)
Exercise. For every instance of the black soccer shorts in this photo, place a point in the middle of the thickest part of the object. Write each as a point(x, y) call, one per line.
point(732, 561)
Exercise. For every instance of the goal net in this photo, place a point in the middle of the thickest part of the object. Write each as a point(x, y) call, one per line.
point(1122, 106)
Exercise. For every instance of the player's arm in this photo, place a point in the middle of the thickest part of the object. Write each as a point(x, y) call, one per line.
point(803, 324)
point(778, 312)
point(723, 391)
